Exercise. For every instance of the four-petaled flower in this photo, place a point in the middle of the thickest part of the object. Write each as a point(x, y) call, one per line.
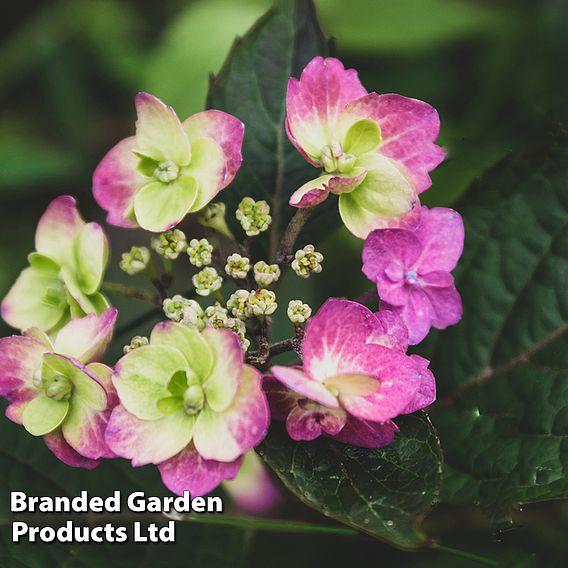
point(57, 390)
point(170, 168)
point(188, 404)
point(355, 379)
point(65, 271)
point(412, 270)
point(375, 150)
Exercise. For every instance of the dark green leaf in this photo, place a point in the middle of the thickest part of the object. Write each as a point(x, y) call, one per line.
point(384, 492)
point(503, 371)
point(252, 86)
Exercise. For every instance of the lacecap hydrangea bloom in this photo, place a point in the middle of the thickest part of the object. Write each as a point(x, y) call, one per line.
point(188, 404)
point(355, 380)
point(65, 272)
point(170, 168)
point(375, 150)
point(57, 390)
point(411, 269)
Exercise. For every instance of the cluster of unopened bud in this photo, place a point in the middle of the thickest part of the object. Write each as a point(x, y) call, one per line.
point(213, 217)
point(136, 260)
point(200, 252)
point(266, 274)
point(254, 216)
point(217, 316)
point(207, 281)
point(237, 266)
point(185, 311)
point(298, 312)
point(170, 244)
point(307, 261)
point(136, 342)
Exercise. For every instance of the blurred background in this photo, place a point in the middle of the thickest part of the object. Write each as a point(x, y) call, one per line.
point(495, 69)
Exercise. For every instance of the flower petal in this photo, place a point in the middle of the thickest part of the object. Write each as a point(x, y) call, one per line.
point(393, 333)
point(333, 337)
point(441, 234)
point(189, 342)
point(353, 384)
point(159, 133)
point(224, 379)
point(296, 380)
point(208, 167)
point(43, 415)
point(57, 229)
point(315, 102)
point(88, 303)
point(417, 314)
point(280, 398)
point(63, 451)
point(225, 436)
point(446, 306)
point(141, 378)
point(227, 130)
point(115, 182)
point(148, 441)
point(188, 471)
point(36, 299)
point(426, 393)
point(366, 434)
point(86, 339)
point(91, 255)
point(385, 198)
point(159, 206)
point(408, 129)
point(317, 190)
point(309, 421)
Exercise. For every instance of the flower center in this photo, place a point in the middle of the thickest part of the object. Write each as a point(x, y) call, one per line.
point(333, 159)
point(193, 399)
point(166, 172)
point(411, 277)
point(58, 387)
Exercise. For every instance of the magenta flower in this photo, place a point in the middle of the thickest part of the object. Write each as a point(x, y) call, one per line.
point(57, 391)
point(411, 269)
point(356, 378)
point(189, 404)
point(170, 168)
point(375, 150)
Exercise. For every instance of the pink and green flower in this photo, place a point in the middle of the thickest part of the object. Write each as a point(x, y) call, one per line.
point(355, 380)
point(57, 390)
point(188, 404)
point(169, 168)
point(375, 150)
point(412, 270)
point(64, 274)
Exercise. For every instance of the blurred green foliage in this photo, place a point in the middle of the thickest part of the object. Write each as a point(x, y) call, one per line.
point(495, 70)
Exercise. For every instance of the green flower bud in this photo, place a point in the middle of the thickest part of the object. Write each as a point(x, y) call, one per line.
point(266, 274)
point(166, 172)
point(298, 312)
point(135, 261)
point(254, 216)
point(136, 342)
point(261, 303)
point(237, 266)
point(59, 388)
point(193, 399)
point(307, 261)
point(199, 252)
point(207, 281)
point(170, 244)
point(213, 216)
point(237, 303)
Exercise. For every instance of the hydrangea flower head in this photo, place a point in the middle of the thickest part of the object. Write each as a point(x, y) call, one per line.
point(58, 391)
point(355, 379)
point(189, 404)
point(170, 168)
point(64, 274)
point(411, 269)
point(375, 150)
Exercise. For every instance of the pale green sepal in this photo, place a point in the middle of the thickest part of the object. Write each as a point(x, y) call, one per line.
point(178, 383)
point(363, 136)
point(146, 166)
point(91, 255)
point(159, 206)
point(170, 404)
point(42, 262)
point(42, 415)
point(142, 377)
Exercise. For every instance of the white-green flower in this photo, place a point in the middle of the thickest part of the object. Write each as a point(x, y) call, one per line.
point(216, 315)
point(207, 281)
point(261, 303)
point(170, 244)
point(266, 274)
point(254, 216)
point(298, 312)
point(307, 261)
point(199, 252)
point(136, 342)
point(237, 303)
point(237, 266)
point(136, 260)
